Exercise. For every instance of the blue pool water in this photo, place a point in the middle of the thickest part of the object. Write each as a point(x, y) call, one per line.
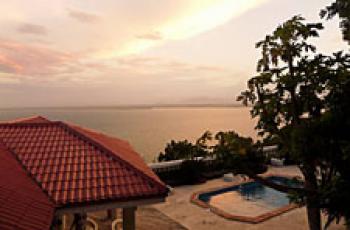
point(249, 199)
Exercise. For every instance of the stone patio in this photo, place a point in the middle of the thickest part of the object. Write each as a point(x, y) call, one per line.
point(179, 208)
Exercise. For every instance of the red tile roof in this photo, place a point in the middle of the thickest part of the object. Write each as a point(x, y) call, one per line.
point(73, 165)
point(120, 148)
point(23, 205)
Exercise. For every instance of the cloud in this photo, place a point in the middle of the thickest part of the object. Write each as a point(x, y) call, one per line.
point(182, 20)
point(38, 63)
point(211, 68)
point(24, 59)
point(155, 35)
point(8, 66)
point(163, 63)
point(146, 65)
point(119, 27)
point(33, 29)
point(83, 16)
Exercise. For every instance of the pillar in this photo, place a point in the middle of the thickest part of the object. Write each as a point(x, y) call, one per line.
point(111, 214)
point(63, 222)
point(59, 222)
point(129, 218)
point(80, 220)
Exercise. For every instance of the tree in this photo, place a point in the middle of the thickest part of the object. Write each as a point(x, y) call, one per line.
point(342, 9)
point(238, 154)
point(203, 149)
point(335, 200)
point(191, 168)
point(178, 150)
point(185, 150)
point(291, 96)
point(336, 196)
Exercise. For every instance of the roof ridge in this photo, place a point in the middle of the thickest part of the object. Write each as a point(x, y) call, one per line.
point(110, 153)
point(26, 172)
point(51, 123)
point(29, 119)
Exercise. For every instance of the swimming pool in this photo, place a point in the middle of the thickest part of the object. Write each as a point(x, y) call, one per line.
point(249, 201)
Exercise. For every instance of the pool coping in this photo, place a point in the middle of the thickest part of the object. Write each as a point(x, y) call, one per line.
point(248, 219)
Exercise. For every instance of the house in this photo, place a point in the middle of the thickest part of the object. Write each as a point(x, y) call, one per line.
point(51, 169)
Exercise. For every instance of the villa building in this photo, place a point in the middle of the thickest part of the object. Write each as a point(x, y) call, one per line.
point(51, 169)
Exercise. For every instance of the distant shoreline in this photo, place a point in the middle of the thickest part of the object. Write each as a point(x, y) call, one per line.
point(155, 106)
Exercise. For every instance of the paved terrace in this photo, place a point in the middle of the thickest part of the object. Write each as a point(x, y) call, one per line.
point(191, 216)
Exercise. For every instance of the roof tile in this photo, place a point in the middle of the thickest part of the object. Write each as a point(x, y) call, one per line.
point(66, 165)
point(21, 199)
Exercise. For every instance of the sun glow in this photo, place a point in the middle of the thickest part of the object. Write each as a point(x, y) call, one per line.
point(214, 14)
point(199, 18)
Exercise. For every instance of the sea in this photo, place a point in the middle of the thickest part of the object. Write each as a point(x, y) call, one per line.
point(148, 129)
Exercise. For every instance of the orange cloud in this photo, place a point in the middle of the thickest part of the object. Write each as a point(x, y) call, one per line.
point(9, 66)
point(27, 59)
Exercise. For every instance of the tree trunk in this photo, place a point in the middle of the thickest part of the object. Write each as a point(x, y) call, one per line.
point(312, 200)
point(313, 215)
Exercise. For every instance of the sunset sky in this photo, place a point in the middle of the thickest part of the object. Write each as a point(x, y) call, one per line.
point(114, 52)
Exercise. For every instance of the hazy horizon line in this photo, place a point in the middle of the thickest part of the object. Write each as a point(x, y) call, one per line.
point(133, 106)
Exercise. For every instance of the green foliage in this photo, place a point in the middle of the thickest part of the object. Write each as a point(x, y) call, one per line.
point(237, 153)
point(177, 150)
point(229, 152)
point(342, 9)
point(274, 92)
point(202, 145)
point(335, 199)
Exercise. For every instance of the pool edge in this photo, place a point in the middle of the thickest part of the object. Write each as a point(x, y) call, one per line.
point(253, 220)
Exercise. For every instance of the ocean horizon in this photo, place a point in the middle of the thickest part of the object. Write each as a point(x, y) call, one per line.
point(147, 127)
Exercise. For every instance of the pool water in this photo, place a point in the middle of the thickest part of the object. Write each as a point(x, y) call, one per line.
point(248, 199)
